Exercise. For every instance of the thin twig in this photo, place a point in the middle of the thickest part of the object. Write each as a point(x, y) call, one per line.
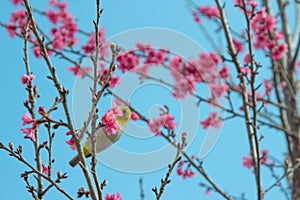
point(49, 179)
point(63, 93)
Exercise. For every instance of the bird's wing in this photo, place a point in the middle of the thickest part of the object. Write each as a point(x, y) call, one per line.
point(103, 140)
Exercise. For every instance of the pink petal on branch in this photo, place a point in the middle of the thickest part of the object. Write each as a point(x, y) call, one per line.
point(134, 116)
point(239, 46)
point(212, 120)
point(30, 132)
point(247, 162)
point(71, 143)
point(224, 72)
point(116, 196)
point(268, 87)
point(110, 123)
point(11, 29)
point(17, 2)
point(77, 71)
point(27, 79)
point(26, 118)
point(210, 12)
point(45, 169)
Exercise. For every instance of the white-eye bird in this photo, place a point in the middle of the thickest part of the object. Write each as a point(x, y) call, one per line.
point(103, 140)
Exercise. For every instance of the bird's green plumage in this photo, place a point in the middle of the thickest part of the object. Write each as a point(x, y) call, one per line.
point(103, 140)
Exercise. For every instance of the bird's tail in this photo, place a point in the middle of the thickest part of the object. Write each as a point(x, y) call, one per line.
point(74, 161)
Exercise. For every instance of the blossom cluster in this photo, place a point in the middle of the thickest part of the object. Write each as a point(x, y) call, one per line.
point(164, 120)
point(109, 120)
point(116, 196)
point(185, 173)
point(65, 28)
point(264, 156)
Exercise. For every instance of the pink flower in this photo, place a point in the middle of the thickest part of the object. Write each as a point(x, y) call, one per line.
point(17, 2)
point(184, 86)
point(128, 61)
point(53, 3)
point(64, 33)
point(155, 57)
point(208, 192)
point(27, 119)
point(218, 89)
point(43, 111)
point(77, 71)
point(176, 63)
point(30, 132)
point(90, 46)
point(142, 46)
point(239, 47)
point(247, 162)
point(279, 51)
point(71, 143)
point(27, 79)
point(134, 116)
point(46, 169)
point(116, 110)
point(210, 12)
point(268, 87)
point(110, 123)
point(224, 72)
point(118, 102)
point(38, 52)
point(246, 71)
point(212, 120)
point(18, 16)
point(197, 19)
point(265, 157)
point(11, 29)
point(208, 62)
point(155, 126)
point(247, 59)
point(187, 173)
point(165, 119)
point(53, 16)
point(113, 81)
point(143, 70)
point(116, 196)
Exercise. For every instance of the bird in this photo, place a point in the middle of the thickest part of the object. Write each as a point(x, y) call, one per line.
point(103, 140)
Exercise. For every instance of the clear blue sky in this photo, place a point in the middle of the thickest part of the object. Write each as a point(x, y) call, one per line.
point(224, 163)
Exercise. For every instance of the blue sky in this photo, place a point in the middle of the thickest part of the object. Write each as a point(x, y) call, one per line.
point(224, 163)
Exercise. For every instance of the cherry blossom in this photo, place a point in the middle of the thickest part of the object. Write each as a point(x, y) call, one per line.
point(212, 120)
point(30, 132)
point(113, 81)
point(77, 71)
point(116, 196)
point(71, 142)
point(210, 12)
point(128, 61)
point(110, 123)
point(11, 29)
point(27, 119)
point(17, 2)
point(45, 169)
point(268, 87)
point(164, 120)
point(187, 173)
point(224, 72)
point(134, 116)
point(247, 162)
point(27, 79)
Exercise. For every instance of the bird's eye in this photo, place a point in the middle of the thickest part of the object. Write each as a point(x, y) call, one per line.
point(125, 112)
